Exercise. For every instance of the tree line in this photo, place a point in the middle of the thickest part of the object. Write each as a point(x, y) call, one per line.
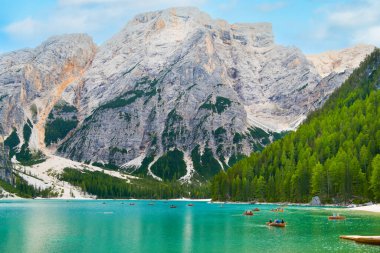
point(105, 186)
point(334, 154)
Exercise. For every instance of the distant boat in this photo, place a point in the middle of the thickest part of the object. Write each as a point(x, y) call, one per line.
point(275, 224)
point(173, 206)
point(337, 217)
point(279, 210)
point(190, 204)
point(248, 213)
point(362, 239)
point(150, 204)
point(256, 210)
point(131, 204)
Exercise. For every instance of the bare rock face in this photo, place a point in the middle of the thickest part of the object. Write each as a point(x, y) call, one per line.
point(33, 80)
point(339, 61)
point(173, 89)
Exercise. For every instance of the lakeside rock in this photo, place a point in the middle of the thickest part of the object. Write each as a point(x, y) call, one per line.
point(315, 201)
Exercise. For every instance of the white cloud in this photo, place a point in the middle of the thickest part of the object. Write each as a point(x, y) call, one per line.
point(370, 35)
point(268, 7)
point(131, 3)
point(357, 22)
point(84, 2)
point(355, 15)
point(227, 5)
point(23, 28)
point(99, 18)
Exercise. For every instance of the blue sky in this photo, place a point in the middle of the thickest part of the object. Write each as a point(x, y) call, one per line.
point(314, 25)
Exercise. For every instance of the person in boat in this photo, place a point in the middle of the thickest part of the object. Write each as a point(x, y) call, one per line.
point(270, 221)
point(282, 221)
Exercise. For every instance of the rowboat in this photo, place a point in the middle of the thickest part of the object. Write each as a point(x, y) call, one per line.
point(339, 217)
point(274, 224)
point(249, 213)
point(256, 209)
point(362, 239)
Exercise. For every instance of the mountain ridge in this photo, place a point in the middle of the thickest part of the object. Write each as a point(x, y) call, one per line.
point(170, 80)
point(334, 154)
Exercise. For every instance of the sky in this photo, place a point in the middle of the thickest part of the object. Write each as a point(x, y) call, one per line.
point(314, 26)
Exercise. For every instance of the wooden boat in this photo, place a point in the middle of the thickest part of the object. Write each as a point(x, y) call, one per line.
point(190, 204)
point(274, 224)
point(256, 210)
point(173, 206)
point(248, 213)
point(279, 210)
point(362, 239)
point(338, 217)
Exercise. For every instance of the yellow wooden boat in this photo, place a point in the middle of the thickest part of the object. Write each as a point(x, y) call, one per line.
point(362, 239)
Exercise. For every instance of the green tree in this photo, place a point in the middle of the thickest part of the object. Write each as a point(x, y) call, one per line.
point(375, 179)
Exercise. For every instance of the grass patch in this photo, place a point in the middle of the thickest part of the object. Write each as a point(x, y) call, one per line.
point(107, 166)
point(206, 165)
point(58, 129)
point(221, 104)
point(170, 166)
point(22, 189)
point(12, 142)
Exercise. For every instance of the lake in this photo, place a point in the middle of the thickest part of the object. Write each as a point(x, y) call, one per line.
point(117, 226)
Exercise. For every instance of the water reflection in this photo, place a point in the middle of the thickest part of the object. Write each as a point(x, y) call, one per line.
point(42, 226)
point(187, 235)
point(90, 226)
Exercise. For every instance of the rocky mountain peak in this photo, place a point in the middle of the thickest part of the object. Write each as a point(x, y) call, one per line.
point(33, 80)
point(174, 87)
point(340, 60)
point(176, 23)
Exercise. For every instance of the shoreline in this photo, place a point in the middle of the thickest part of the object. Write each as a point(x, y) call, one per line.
point(375, 208)
point(94, 199)
point(371, 208)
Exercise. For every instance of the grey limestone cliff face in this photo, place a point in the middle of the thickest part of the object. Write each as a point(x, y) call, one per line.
point(6, 166)
point(33, 80)
point(171, 82)
point(177, 79)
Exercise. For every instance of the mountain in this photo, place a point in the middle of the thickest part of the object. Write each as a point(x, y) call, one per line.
point(335, 154)
point(174, 95)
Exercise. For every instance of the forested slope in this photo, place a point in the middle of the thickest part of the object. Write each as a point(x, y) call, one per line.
point(334, 154)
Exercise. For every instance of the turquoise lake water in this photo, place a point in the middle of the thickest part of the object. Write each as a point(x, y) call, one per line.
point(116, 226)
